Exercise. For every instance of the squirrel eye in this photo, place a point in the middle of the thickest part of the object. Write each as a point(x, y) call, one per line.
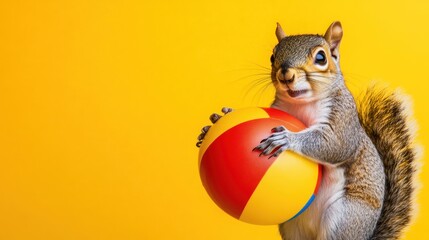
point(272, 58)
point(320, 58)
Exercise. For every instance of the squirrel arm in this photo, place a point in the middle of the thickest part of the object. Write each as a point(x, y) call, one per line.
point(334, 139)
point(322, 143)
point(327, 141)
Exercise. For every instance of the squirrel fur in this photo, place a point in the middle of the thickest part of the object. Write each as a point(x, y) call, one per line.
point(367, 151)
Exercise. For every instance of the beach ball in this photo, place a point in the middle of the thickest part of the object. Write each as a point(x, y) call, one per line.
point(252, 188)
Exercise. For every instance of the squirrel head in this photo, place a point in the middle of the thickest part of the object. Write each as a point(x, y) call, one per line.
point(305, 67)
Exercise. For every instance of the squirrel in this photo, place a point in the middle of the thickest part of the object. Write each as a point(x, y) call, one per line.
point(367, 150)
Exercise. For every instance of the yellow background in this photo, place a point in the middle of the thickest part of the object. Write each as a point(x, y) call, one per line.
point(101, 103)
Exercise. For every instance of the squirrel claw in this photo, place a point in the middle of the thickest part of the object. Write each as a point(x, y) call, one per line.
point(278, 129)
point(226, 110)
point(214, 117)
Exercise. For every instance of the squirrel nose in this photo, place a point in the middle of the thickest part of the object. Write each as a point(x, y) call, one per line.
point(287, 75)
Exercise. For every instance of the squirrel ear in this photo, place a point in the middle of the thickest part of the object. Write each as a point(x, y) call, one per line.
point(279, 32)
point(333, 36)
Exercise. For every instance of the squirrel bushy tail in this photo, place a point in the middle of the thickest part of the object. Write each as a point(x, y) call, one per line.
point(384, 116)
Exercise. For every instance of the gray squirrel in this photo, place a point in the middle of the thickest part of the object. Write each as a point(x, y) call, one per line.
point(367, 152)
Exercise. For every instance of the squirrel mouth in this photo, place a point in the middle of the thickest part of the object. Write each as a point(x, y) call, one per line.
point(297, 93)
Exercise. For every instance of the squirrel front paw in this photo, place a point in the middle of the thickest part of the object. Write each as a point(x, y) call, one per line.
point(275, 144)
point(213, 118)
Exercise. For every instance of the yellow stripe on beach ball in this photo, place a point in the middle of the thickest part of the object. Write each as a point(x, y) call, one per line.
point(279, 196)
